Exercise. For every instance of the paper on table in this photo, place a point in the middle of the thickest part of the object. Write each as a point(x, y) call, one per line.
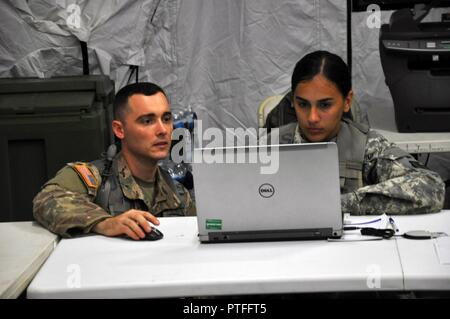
point(354, 236)
point(442, 245)
point(380, 221)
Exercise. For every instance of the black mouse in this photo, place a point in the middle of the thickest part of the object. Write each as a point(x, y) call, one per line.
point(154, 234)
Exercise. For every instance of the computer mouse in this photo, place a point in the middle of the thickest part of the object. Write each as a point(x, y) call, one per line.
point(154, 234)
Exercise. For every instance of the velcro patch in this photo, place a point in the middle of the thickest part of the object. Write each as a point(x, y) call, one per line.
point(86, 175)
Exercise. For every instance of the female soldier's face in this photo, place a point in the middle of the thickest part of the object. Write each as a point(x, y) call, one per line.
point(319, 107)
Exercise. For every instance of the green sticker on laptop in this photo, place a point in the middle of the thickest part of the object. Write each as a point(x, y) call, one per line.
point(214, 224)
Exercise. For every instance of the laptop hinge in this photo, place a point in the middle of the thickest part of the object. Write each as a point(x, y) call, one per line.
point(270, 235)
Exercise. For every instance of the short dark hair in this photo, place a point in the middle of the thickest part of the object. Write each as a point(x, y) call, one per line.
point(121, 98)
point(328, 64)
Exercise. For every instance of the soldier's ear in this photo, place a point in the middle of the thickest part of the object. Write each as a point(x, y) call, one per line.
point(117, 127)
point(348, 101)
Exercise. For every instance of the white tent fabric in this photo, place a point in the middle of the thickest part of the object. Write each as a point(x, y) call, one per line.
point(240, 52)
point(41, 37)
point(367, 74)
point(220, 57)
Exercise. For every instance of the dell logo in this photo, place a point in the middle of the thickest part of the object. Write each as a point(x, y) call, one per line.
point(266, 190)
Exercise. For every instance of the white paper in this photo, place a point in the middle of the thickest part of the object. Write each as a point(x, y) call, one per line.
point(442, 245)
point(354, 235)
point(380, 221)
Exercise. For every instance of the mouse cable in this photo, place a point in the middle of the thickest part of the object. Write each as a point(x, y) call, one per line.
point(385, 233)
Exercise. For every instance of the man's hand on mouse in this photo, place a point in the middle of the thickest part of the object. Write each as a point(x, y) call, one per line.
point(133, 223)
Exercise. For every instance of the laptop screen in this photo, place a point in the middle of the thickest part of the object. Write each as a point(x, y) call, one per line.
point(280, 192)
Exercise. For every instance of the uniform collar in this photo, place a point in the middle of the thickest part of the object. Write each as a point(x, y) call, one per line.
point(298, 138)
point(130, 187)
point(164, 197)
point(297, 135)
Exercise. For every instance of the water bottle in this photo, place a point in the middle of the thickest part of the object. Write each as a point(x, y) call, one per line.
point(178, 119)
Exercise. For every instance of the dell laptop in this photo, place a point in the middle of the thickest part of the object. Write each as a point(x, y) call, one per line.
point(273, 192)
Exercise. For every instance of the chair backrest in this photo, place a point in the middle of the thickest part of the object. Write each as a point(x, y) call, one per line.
point(266, 106)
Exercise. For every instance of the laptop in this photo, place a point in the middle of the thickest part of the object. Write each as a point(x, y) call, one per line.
point(292, 194)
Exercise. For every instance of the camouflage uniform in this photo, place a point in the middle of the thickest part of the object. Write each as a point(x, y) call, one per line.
point(385, 179)
point(66, 205)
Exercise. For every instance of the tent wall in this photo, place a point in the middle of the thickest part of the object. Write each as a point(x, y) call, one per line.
point(221, 57)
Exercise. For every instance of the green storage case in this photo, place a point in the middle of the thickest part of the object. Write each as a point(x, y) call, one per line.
point(44, 124)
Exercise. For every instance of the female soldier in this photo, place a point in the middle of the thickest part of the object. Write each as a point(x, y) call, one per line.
point(376, 176)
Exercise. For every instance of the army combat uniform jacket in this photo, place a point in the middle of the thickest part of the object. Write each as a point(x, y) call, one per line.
point(376, 176)
point(67, 204)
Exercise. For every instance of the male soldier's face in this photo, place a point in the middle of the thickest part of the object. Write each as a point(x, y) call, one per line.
point(147, 127)
point(319, 107)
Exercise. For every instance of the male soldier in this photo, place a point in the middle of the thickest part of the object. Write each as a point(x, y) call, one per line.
point(376, 176)
point(121, 195)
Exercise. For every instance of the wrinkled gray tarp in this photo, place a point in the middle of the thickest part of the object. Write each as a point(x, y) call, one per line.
point(220, 57)
point(41, 37)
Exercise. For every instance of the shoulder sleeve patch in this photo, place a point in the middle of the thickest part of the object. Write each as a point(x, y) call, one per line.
point(86, 175)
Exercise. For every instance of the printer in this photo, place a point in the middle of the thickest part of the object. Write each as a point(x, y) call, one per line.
point(415, 57)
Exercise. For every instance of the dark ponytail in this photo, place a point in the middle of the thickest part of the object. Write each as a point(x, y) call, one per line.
point(323, 62)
